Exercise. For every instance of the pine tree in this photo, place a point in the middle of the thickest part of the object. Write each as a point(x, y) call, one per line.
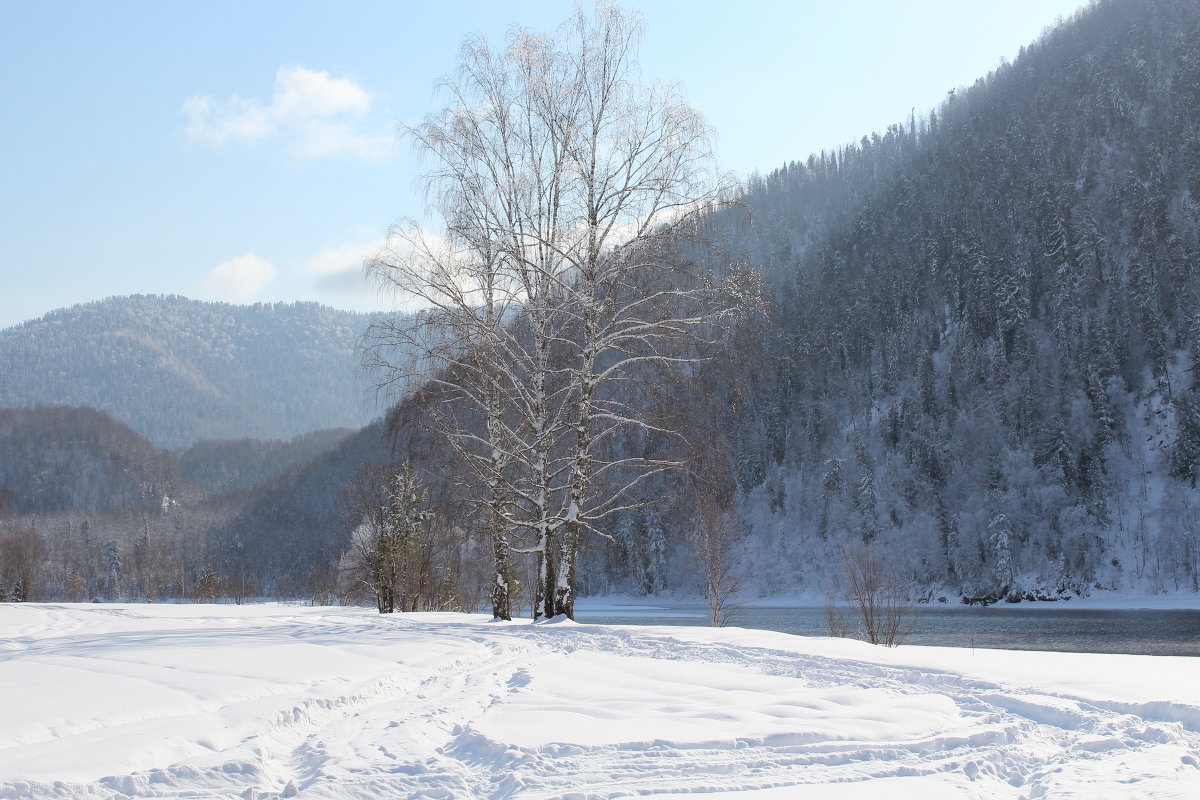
point(1185, 453)
point(831, 488)
point(208, 585)
point(404, 516)
point(656, 555)
point(865, 500)
point(1000, 544)
point(114, 565)
point(1153, 326)
point(1013, 304)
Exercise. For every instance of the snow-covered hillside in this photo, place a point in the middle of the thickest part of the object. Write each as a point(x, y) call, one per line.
point(264, 701)
point(179, 371)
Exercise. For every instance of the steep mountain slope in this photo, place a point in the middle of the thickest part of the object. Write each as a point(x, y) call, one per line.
point(179, 371)
point(985, 327)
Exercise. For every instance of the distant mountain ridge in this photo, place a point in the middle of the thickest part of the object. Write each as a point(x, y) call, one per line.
point(179, 371)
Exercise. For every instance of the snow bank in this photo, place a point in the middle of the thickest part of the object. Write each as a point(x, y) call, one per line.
point(277, 701)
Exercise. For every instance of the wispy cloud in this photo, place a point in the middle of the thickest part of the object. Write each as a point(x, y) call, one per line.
point(316, 113)
point(338, 271)
point(337, 274)
point(239, 279)
point(321, 140)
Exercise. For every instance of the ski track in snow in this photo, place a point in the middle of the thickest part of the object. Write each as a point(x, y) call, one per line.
point(265, 702)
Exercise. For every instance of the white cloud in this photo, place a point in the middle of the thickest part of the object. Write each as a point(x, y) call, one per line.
point(338, 271)
point(338, 277)
point(348, 257)
point(338, 139)
point(239, 279)
point(303, 93)
point(311, 108)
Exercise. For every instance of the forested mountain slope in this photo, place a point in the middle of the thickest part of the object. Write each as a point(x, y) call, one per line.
point(985, 327)
point(179, 370)
point(60, 458)
point(294, 528)
point(228, 465)
point(90, 509)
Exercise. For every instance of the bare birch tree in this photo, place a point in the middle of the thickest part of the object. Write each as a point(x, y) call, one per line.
point(564, 185)
point(718, 547)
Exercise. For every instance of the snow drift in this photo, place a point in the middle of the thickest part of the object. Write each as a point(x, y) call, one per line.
point(277, 701)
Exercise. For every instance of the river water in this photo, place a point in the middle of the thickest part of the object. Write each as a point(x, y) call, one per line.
point(1061, 628)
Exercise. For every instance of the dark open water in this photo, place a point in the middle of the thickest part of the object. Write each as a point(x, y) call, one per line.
point(1163, 633)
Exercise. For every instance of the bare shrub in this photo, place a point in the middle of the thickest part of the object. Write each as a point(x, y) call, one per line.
point(836, 623)
point(880, 601)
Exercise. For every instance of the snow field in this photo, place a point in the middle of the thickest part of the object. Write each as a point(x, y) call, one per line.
point(276, 701)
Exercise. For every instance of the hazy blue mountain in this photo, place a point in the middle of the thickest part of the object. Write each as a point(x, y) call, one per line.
point(179, 371)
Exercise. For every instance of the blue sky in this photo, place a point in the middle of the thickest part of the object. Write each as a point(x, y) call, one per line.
point(245, 151)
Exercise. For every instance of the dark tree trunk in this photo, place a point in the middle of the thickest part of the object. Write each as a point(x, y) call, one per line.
point(501, 596)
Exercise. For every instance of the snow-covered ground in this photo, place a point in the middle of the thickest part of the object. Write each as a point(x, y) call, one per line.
point(176, 701)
